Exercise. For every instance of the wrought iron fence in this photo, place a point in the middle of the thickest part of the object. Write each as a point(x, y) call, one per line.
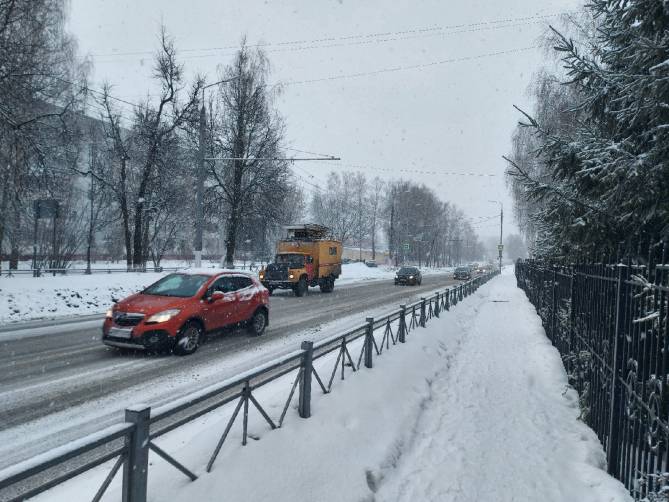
point(129, 443)
point(609, 323)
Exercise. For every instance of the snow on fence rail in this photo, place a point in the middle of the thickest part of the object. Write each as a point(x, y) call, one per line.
point(609, 323)
point(130, 442)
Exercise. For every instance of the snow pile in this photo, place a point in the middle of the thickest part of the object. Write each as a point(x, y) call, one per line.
point(475, 407)
point(23, 298)
point(353, 272)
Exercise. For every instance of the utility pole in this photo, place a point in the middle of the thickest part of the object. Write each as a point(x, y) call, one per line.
point(199, 189)
point(500, 247)
point(392, 230)
point(91, 196)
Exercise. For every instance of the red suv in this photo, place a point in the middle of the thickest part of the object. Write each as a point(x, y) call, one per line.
point(180, 308)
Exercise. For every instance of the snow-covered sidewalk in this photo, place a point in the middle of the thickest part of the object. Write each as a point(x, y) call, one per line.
point(475, 407)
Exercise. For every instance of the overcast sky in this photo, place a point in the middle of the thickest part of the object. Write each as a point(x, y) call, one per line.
point(436, 113)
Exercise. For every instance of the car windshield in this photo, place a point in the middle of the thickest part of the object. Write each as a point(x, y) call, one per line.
point(407, 270)
point(462, 269)
point(179, 285)
point(294, 260)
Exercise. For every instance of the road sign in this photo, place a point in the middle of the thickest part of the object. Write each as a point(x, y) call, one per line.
point(406, 246)
point(46, 208)
point(500, 247)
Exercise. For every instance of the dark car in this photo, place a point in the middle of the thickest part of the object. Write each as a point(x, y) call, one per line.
point(462, 273)
point(179, 309)
point(408, 275)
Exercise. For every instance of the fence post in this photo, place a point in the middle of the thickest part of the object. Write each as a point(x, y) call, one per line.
point(422, 313)
point(612, 449)
point(369, 342)
point(136, 466)
point(403, 324)
point(572, 316)
point(304, 402)
point(554, 306)
point(436, 306)
point(447, 297)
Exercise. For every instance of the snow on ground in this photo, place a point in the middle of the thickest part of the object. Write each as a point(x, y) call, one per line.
point(474, 407)
point(24, 298)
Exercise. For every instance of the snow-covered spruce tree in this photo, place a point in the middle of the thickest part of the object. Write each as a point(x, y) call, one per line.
point(606, 175)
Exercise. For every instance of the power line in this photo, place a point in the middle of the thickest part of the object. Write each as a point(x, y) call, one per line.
point(364, 37)
point(411, 67)
point(415, 171)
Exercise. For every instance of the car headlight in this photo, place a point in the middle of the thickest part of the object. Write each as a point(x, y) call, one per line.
point(163, 316)
point(109, 314)
point(261, 275)
point(290, 276)
point(411, 277)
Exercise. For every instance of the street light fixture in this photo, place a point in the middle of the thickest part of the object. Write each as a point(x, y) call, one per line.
point(500, 247)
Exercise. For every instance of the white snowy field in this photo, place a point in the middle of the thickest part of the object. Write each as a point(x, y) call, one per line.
point(474, 407)
point(24, 298)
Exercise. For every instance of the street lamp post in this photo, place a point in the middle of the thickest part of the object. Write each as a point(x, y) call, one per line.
point(500, 247)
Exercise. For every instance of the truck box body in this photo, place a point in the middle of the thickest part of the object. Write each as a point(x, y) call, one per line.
point(306, 257)
point(326, 254)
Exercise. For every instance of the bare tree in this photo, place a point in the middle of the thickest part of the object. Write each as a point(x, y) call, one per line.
point(41, 85)
point(248, 131)
point(374, 200)
point(141, 150)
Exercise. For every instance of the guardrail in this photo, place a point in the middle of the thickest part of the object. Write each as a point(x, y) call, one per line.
point(129, 443)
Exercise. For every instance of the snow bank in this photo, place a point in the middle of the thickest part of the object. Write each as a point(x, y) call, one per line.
point(474, 407)
point(24, 298)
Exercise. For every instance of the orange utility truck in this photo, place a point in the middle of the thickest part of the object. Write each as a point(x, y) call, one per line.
point(305, 257)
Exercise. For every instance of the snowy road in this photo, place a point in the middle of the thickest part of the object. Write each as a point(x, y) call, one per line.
point(58, 381)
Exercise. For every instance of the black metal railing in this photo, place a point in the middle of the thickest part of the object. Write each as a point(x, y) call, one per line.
point(129, 443)
point(609, 323)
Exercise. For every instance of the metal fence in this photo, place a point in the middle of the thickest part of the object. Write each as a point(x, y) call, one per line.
point(128, 443)
point(39, 272)
point(609, 323)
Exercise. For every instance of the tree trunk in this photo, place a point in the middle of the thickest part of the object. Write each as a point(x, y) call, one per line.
point(231, 234)
point(137, 237)
point(3, 212)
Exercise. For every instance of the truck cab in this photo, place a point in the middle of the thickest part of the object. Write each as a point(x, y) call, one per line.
point(305, 258)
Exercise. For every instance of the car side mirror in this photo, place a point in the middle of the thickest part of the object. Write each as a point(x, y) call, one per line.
point(215, 296)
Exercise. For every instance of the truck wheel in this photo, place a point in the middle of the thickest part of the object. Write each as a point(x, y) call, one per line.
point(188, 339)
point(301, 287)
point(327, 285)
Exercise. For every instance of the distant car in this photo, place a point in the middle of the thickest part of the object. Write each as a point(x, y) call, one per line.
point(175, 312)
point(408, 275)
point(371, 263)
point(462, 273)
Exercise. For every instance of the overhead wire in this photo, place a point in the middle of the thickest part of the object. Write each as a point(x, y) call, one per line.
point(364, 38)
point(409, 171)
